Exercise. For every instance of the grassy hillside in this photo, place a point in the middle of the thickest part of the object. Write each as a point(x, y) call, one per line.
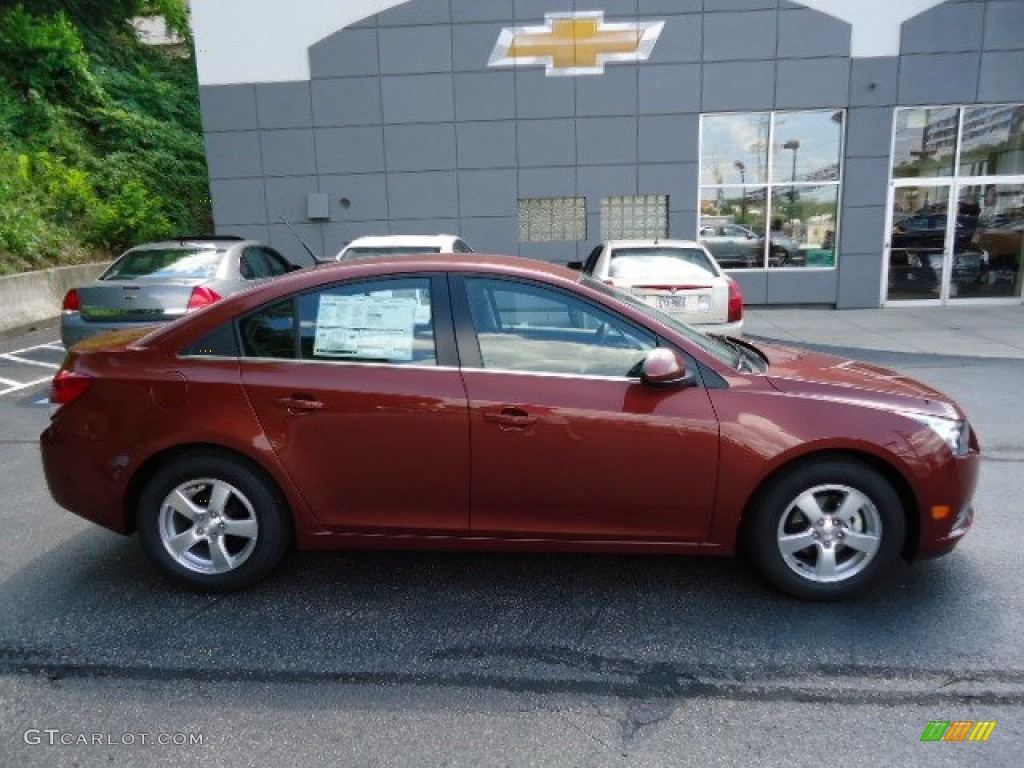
point(100, 138)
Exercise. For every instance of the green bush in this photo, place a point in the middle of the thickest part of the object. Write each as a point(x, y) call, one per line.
point(100, 136)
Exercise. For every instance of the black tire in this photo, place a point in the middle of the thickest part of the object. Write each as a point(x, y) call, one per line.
point(222, 544)
point(826, 530)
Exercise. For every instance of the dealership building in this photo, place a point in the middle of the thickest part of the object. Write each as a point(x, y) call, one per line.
point(853, 153)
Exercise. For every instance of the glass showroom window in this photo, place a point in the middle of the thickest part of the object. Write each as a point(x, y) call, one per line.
point(957, 203)
point(769, 192)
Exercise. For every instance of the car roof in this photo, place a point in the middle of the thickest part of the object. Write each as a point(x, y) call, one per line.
point(225, 242)
point(401, 240)
point(654, 242)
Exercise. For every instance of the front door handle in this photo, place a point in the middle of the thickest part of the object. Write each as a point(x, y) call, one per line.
point(297, 403)
point(510, 418)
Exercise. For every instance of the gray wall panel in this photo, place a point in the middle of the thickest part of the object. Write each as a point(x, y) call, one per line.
point(288, 152)
point(419, 147)
point(487, 193)
point(547, 182)
point(418, 98)
point(669, 138)
point(485, 95)
point(437, 226)
point(731, 36)
point(350, 53)
point(495, 234)
point(869, 132)
point(669, 88)
point(865, 180)
point(286, 196)
point(472, 45)
point(431, 195)
point(862, 230)
point(681, 39)
point(540, 96)
point(284, 105)
point(238, 201)
point(605, 181)
point(415, 50)
point(233, 155)
point(474, 10)
point(338, 235)
point(606, 140)
point(1004, 25)
point(874, 82)
point(747, 85)
point(546, 142)
point(810, 83)
point(1001, 76)
point(947, 28)
point(228, 107)
point(486, 145)
point(366, 193)
point(613, 93)
point(349, 150)
point(753, 284)
point(678, 181)
point(860, 278)
point(346, 101)
point(795, 286)
point(934, 79)
point(665, 7)
point(284, 240)
point(807, 33)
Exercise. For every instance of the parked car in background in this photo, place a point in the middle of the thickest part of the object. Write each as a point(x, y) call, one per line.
point(733, 246)
point(402, 245)
point(679, 277)
point(537, 409)
point(159, 282)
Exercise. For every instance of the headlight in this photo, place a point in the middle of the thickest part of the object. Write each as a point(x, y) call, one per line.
point(956, 433)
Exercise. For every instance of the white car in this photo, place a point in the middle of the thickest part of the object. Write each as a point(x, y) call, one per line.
point(397, 245)
point(680, 277)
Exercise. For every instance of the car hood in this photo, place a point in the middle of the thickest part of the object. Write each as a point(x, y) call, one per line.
point(805, 372)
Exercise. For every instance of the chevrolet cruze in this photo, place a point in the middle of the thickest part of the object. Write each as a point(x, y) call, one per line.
point(530, 408)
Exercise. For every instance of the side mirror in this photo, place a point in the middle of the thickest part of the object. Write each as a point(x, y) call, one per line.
point(577, 265)
point(665, 368)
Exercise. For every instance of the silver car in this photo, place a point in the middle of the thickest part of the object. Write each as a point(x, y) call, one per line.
point(159, 282)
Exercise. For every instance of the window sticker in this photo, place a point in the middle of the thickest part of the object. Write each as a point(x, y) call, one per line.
point(365, 327)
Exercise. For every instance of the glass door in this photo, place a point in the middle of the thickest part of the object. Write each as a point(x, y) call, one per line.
point(989, 240)
point(918, 240)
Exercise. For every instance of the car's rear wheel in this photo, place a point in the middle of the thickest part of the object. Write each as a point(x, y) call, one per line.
point(826, 530)
point(212, 522)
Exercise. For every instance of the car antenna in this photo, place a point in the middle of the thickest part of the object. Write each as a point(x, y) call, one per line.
point(298, 237)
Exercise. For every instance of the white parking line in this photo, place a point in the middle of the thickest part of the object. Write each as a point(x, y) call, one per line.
point(7, 386)
point(26, 361)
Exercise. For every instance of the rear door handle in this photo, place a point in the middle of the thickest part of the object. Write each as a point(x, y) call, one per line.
point(299, 403)
point(515, 418)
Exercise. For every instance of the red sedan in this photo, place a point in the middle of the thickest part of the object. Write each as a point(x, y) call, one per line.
point(504, 404)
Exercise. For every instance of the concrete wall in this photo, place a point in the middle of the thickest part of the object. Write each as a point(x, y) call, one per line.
point(34, 297)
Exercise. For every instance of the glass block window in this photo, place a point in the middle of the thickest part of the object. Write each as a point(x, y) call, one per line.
point(634, 217)
point(548, 219)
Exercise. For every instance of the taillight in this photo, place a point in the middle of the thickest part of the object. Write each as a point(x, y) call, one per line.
point(735, 301)
point(68, 386)
point(72, 302)
point(201, 297)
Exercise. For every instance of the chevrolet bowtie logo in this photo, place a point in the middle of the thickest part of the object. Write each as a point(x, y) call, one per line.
point(575, 43)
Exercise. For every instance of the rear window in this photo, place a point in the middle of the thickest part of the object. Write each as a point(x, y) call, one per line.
point(366, 252)
point(171, 263)
point(661, 263)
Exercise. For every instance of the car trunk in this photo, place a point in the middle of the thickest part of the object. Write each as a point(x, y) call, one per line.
point(135, 301)
point(691, 302)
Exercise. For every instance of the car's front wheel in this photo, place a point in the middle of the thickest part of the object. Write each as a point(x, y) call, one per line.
point(212, 522)
point(825, 530)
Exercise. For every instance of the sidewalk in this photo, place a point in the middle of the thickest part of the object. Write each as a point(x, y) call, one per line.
point(968, 331)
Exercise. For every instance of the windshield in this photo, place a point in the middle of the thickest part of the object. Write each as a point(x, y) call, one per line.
point(717, 348)
point(661, 264)
point(369, 251)
point(166, 264)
